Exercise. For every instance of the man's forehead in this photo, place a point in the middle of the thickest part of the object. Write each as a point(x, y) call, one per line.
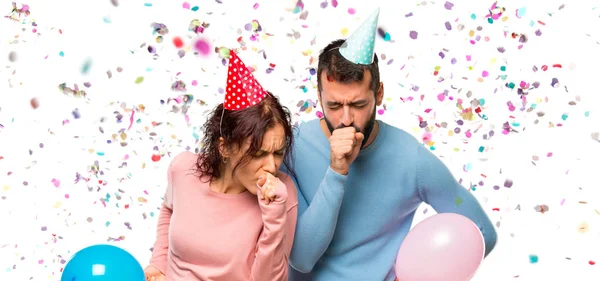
point(337, 90)
point(345, 93)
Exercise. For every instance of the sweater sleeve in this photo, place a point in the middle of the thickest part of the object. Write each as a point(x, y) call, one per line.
point(438, 188)
point(161, 245)
point(274, 243)
point(317, 221)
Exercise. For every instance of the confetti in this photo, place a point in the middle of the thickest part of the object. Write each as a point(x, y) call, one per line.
point(583, 227)
point(34, 103)
point(56, 183)
point(85, 68)
point(448, 25)
point(541, 208)
point(197, 27)
point(533, 259)
point(448, 5)
point(512, 122)
point(12, 56)
point(520, 12)
point(178, 42)
point(413, 34)
point(344, 32)
point(76, 113)
point(458, 201)
point(202, 46)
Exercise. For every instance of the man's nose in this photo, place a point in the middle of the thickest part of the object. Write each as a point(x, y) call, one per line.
point(347, 118)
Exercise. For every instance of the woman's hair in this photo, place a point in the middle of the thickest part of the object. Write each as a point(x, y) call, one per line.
point(237, 127)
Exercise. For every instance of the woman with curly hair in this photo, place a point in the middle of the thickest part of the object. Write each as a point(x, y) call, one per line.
point(229, 213)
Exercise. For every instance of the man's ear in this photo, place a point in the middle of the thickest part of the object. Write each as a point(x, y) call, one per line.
point(223, 149)
point(379, 96)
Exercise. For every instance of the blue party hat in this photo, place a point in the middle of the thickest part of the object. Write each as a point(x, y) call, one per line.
point(359, 47)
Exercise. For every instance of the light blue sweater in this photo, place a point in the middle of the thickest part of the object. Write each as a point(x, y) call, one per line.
point(351, 227)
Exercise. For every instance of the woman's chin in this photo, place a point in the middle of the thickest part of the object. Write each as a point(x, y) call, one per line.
point(252, 190)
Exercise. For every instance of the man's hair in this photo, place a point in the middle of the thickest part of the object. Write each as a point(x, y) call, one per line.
point(344, 71)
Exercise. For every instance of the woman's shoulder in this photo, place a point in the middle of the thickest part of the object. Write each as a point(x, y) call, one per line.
point(184, 161)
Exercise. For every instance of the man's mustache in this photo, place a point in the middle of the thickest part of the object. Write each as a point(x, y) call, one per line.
point(341, 126)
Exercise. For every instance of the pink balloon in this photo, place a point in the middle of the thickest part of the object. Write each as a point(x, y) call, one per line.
point(447, 246)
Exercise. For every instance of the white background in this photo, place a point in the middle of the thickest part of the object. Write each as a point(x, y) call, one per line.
point(567, 182)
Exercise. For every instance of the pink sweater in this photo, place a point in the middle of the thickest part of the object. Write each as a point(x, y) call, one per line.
point(210, 236)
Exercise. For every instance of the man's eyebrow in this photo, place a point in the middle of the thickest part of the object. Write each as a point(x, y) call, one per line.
point(357, 102)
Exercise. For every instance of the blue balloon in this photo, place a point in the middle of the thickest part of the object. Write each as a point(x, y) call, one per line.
point(103, 263)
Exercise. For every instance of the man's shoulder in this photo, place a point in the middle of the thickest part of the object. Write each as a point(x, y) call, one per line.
point(397, 134)
point(406, 144)
point(397, 144)
point(308, 126)
point(306, 132)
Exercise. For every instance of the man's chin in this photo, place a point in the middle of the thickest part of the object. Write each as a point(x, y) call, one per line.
point(366, 130)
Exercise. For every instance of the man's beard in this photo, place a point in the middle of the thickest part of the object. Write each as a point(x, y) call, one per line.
point(366, 132)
